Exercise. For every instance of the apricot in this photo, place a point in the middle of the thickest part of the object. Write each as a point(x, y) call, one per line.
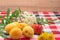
point(15, 33)
point(28, 31)
point(9, 27)
point(17, 23)
point(22, 25)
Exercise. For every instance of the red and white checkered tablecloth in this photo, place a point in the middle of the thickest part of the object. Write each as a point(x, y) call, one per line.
point(53, 27)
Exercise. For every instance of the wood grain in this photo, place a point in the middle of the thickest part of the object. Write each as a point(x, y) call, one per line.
point(31, 5)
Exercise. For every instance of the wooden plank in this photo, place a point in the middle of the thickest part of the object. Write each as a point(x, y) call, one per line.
point(31, 5)
point(39, 3)
point(28, 8)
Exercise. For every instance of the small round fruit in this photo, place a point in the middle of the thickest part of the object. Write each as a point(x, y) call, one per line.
point(17, 23)
point(28, 31)
point(22, 25)
point(15, 33)
point(9, 27)
point(37, 28)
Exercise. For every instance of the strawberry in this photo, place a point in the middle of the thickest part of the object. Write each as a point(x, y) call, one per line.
point(37, 28)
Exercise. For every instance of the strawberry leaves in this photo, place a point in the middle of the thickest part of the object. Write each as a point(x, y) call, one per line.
point(8, 13)
point(43, 21)
point(9, 18)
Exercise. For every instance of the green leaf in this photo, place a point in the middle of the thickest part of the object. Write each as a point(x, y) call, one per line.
point(4, 21)
point(1, 16)
point(9, 21)
point(2, 27)
point(2, 34)
point(42, 19)
point(38, 21)
point(20, 11)
point(8, 12)
point(46, 21)
point(17, 14)
point(11, 17)
point(43, 22)
point(1, 24)
point(13, 14)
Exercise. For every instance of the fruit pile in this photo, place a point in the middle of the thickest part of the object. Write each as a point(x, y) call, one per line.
point(16, 30)
point(28, 26)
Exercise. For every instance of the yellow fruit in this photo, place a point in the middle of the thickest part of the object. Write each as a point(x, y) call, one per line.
point(28, 31)
point(22, 25)
point(17, 23)
point(9, 27)
point(15, 33)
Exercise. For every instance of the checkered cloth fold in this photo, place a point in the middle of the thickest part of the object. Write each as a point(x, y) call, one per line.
point(53, 27)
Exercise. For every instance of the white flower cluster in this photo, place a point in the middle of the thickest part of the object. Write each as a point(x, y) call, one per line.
point(28, 18)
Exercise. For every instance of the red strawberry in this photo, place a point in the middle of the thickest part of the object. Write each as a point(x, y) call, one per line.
point(37, 28)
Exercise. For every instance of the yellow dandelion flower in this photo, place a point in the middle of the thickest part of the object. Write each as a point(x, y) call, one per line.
point(51, 36)
point(43, 36)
